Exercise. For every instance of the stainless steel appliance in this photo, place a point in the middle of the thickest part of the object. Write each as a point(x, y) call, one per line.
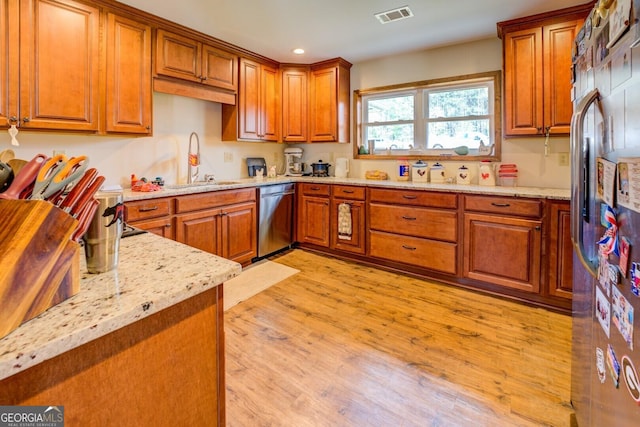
point(275, 230)
point(293, 162)
point(605, 220)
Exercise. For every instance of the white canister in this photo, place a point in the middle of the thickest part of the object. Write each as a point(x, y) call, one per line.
point(342, 167)
point(420, 172)
point(437, 174)
point(486, 174)
point(463, 176)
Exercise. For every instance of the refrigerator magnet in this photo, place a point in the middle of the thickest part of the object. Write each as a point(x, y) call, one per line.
point(600, 365)
point(630, 376)
point(625, 248)
point(613, 365)
point(603, 311)
point(635, 278)
point(622, 315)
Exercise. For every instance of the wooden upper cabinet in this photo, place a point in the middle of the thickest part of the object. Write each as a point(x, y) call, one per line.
point(128, 81)
point(9, 61)
point(256, 117)
point(190, 60)
point(329, 101)
point(537, 71)
point(295, 83)
point(59, 65)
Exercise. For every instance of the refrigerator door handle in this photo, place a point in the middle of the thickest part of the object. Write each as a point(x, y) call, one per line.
point(580, 178)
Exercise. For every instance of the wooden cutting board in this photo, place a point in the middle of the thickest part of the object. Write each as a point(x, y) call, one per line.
point(38, 260)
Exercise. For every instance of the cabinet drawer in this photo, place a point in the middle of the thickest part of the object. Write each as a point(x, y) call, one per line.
point(144, 209)
point(504, 205)
point(315, 189)
point(424, 253)
point(419, 222)
point(195, 202)
point(349, 192)
point(415, 198)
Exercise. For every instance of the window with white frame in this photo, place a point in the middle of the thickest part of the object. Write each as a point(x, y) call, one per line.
point(454, 116)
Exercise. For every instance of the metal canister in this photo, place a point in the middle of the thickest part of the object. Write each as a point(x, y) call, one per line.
point(102, 240)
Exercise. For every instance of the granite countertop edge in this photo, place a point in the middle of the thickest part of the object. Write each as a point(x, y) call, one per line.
point(151, 275)
point(201, 187)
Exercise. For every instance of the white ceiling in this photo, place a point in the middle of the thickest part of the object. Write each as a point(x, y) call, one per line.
point(347, 28)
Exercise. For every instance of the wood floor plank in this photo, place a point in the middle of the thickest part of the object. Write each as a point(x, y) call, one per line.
point(341, 344)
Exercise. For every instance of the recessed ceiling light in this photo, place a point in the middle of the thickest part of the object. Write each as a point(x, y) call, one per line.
point(298, 51)
point(394, 14)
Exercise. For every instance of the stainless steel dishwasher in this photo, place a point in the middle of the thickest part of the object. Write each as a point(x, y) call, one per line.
point(275, 230)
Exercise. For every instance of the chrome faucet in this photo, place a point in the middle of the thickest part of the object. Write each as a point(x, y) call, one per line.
point(193, 159)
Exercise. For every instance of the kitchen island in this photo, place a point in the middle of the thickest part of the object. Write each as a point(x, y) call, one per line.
point(140, 345)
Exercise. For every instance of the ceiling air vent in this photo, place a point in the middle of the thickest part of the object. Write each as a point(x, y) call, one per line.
point(394, 14)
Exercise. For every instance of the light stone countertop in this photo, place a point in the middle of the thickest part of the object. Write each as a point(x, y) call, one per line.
point(153, 273)
point(201, 187)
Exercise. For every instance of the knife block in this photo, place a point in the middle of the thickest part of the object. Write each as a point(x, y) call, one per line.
point(40, 264)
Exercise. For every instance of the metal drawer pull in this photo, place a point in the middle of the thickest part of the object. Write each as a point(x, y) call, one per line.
point(409, 197)
point(348, 191)
point(315, 188)
point(409, 218)
point(410, 248)
point(149, 209)
point(500, 205)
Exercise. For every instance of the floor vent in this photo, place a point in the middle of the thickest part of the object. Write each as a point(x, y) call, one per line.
point(394, 14)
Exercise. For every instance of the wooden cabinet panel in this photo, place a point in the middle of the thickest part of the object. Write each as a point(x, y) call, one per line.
point(502, 250)
point(200, 230)
point(314, 220)
point(239, 233)
point(146, 209)
point(557, 58)
point(414, 221)
point(329, 101)
point(354, 242)
point(162, 227)
point(294, 104)
point(9, 62)
point(348, 192)
point(178, 56)
point(128, 90)
point(315, 189)
point(56, 92)
point(504, 205)
point(269, 104)
point(425, 253)
point(194, 202)
point(219, 68)
point(414, 198)
point(560, 251)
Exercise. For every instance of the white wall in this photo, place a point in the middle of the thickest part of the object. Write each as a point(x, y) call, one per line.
point(174, 118)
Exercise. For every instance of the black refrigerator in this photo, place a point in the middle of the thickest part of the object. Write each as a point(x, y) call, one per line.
point(605, 216)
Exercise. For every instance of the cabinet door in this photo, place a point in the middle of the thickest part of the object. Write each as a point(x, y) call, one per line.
point(59, 65)
point(159, 226)
point(219, 68)
point(9, 61)
point(128, 91)
point(323, 104)
point(560, 252)
point(523, 79)
point(249, 100)
point(269, 104)
point(200, 230)
point(239, 232)
point(178, 56)
point(355, 242)
point(294, 104)
point(502, 250)
point(558, 107)
point(313, 220)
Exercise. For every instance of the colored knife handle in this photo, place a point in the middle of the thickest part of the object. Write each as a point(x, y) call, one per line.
point(24, 178)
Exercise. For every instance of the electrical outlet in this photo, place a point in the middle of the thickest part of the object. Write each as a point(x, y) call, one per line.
point(563, 159)
point(228, 157)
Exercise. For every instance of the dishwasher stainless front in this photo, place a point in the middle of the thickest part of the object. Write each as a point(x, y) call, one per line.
point(275, 230)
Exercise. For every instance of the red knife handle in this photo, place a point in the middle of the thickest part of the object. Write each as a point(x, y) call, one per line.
point(70, 199)
point(84, 219)
point(86, 196)
point(25, 178)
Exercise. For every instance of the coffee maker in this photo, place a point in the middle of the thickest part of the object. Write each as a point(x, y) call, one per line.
point(293, 162)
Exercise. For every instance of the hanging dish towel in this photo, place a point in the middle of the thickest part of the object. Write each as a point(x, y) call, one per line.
point(344, 221)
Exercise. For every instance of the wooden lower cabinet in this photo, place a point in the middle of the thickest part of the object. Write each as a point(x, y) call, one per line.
point(355, 213)
point(314, 214)
point(560, 251)
point(504, 251)
point(166, 369)
point(223, 223)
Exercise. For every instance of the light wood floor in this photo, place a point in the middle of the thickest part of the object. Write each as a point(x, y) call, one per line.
point(340, 344)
